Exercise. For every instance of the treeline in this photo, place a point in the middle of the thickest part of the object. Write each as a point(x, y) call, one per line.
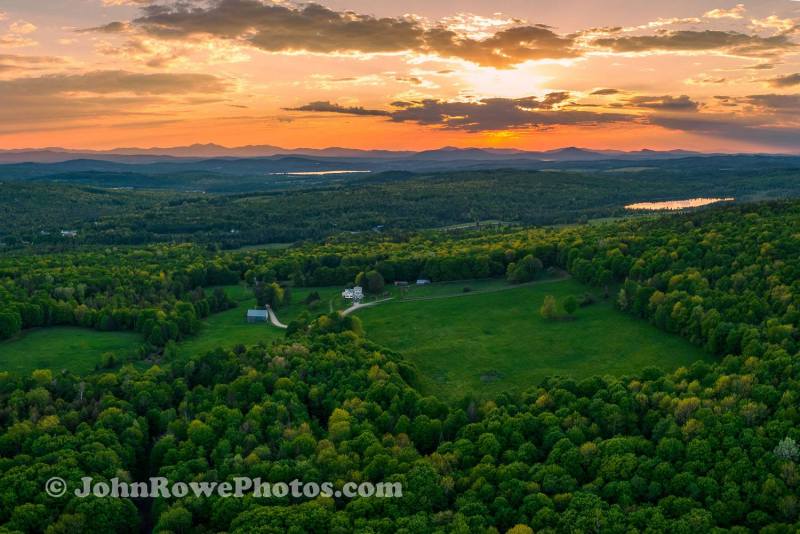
point(158, 292)
point(162, 291)
point(726, 279)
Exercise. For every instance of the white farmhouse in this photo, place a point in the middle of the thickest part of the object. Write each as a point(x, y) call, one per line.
point(357, 293)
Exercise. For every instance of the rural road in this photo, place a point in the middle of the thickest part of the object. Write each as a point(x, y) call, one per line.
point(359, 305)
point(274, 318)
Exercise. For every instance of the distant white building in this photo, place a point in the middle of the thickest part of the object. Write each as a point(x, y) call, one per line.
point(357, 293)
point(423, 282)
point(69, 233)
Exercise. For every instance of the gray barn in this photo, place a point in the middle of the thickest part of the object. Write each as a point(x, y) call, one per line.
point(257, 316)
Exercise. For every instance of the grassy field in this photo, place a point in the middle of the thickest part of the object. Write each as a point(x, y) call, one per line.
point(493, 342)
point(79, 349)
point(229, 328)
point(463, 288)
point(75, 349)
point(484, 341)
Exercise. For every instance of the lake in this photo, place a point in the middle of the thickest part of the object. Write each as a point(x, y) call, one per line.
point(677, 204)
point(314, 173)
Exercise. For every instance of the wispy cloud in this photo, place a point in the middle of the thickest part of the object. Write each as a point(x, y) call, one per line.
point(663, 103)
point(789, 80)
point(327, 107)
point(736, 12)
point(728, 42)
point(113, 81)
point(18, 34)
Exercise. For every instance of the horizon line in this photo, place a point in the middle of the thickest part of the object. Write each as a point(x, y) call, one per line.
point(411, 151)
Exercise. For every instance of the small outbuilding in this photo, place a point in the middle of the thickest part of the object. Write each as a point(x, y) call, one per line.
point(423, 282)
point(257, 316)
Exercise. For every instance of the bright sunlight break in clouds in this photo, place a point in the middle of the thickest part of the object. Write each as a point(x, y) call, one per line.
point(529, 74)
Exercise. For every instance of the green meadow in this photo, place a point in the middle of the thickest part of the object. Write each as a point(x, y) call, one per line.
point(229, 328)
point(486, 343)
point(63, 347)
point(480, 336)
point(80, 350)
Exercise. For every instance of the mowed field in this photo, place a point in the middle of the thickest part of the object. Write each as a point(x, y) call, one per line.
point(483, 341)
point(230, 327)
point(63, 347)
point(79, 349)
point(497, 341)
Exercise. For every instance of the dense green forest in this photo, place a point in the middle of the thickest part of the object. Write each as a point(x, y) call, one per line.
point(289, 209)
point(708, 448)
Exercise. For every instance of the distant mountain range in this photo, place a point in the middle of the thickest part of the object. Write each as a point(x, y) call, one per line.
point(197, 151)
point(227, 171)
point(211, 151)
point(216, 168)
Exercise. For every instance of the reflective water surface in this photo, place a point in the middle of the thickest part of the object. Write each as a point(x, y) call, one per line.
point(315, 173)
point(677, 204)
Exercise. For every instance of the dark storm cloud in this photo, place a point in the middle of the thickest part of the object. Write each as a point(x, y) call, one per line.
point(729, 42)
point(483, 115)
point(785, 81)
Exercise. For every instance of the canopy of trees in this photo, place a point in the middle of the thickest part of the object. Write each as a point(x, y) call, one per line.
point(710, 448)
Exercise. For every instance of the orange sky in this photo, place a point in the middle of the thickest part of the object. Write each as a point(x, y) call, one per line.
point(721, 76)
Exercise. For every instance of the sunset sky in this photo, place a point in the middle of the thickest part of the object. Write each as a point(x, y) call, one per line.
point(533, 74)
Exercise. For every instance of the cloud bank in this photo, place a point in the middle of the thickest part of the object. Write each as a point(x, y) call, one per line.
point(313, 28)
